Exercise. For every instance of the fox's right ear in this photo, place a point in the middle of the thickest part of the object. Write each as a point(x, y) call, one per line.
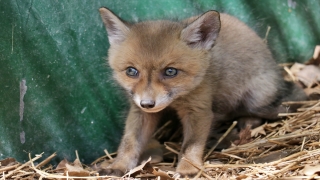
point(117, 30)
point(203, 31)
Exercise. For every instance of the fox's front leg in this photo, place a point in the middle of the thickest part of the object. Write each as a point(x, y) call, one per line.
point(196, 128)
point(138, 130)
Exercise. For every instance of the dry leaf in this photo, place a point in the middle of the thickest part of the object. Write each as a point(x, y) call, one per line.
point(287, 127)
point(244, 136)
point(7, 162)
point(136, 169)
point(158, 173)
point(62, 165)
point(258, 130)
point(313, 93)
point(241, 177)
point(310, 170)
point(102, 165)
point(272, 125)
point(72, 170)
point(77, 163)
point(75, 171)
point(252, 122)
point(309, 75)
point(296, 68)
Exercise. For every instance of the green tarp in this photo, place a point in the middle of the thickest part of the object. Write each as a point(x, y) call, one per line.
point(55, 52)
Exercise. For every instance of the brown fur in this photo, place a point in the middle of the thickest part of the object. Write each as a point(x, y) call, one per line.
point(225, 71)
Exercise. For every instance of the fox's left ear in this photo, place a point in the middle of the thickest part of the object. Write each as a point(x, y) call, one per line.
point(203, 31)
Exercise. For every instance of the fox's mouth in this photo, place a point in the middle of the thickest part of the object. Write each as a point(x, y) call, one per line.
point(153, 110)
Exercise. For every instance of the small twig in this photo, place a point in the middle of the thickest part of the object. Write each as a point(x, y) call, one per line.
point(174, 161)
point(264, 171)
point(102, 157)
point(306, 109)
point(230, 155)
point(288, 114)
point(24, 165)
point(44, 162)
point(314, 144)
point(161, 128)
point(311, 108)
point(178, 131)
point(233, 165)
point(77, 155)
point(31, 160)
point(170, 149)
point(299, 102)
point(262, 142)
point(285, 64)
point(163, 164)
point(272, 147)
point(220, 139)
point(23, 173)
point(287, 158)
point(107, 153)
point(48, 175)
point(9, 168)
point(316, 52)
point(278, 143)
point(303, 142)
point(304, 155)
point(196, 166)
point(293, 78)
point(285, 168)
point(265, 40)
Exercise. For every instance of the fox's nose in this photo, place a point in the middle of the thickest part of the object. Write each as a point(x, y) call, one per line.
point(147, 104)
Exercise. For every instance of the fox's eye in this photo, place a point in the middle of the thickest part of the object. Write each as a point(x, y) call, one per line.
point(171, 72)
point(132, 72)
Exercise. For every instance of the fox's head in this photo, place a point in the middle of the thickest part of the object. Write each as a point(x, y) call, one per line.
point(160, 61)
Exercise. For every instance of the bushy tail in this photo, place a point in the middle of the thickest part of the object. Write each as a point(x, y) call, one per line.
point(293, 93)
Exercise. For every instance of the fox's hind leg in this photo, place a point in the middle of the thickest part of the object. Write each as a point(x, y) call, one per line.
point(288, 92)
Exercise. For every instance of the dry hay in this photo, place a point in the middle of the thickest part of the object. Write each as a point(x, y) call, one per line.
point(287, 149)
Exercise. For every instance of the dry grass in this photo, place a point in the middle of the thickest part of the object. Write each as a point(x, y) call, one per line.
point(282, 150)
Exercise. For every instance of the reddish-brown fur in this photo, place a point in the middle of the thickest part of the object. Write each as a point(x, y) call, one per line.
point(225, 71)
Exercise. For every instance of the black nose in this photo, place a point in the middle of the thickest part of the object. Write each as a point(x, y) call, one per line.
point(148, 104)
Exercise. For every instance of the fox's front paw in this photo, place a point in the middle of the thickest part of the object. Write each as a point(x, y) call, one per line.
point(185, 169)
point(111, 172)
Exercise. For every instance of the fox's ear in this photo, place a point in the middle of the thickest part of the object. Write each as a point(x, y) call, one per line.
point(202, 32)
point(117, 29)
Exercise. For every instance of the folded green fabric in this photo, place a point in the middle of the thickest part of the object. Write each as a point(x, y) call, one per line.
point(56, 90)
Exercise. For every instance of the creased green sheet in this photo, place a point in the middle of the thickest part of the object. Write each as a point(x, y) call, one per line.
point(53, 70)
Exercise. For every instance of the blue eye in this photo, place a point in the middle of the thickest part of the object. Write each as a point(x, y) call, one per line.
point(132, 72)
point(171, 72)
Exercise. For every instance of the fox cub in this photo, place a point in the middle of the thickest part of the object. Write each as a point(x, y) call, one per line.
point(209, 68)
